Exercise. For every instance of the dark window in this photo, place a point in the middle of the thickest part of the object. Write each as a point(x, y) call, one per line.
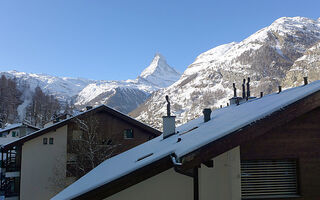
point(128, 133)
point(51, 140)
point(45, 140)
point(268, 179)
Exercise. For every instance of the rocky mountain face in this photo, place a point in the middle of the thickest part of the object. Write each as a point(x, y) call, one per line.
point(307, 65)
point(124, 96)
point(275, 55)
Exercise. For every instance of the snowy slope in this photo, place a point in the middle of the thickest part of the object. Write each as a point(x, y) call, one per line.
point(266, 56)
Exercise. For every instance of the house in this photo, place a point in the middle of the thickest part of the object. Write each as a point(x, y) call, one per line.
point(17, 130)
point(41, 164)
point(260, 148)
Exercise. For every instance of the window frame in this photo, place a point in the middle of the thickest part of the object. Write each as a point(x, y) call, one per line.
point(44, 141)
point(125, 135)
point(51, 140)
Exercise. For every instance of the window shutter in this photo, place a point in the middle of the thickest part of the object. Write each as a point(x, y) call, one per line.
point(268, 178)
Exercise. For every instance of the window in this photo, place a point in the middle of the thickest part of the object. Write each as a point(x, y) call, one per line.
point(51, 140)
point(14, 134)
point(128, 133)
point(45, 140)
point(268, 179)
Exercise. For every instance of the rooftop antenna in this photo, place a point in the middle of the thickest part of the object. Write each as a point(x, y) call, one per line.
point(168, 105)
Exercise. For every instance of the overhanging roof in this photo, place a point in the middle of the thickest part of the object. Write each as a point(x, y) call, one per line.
point(228, 128)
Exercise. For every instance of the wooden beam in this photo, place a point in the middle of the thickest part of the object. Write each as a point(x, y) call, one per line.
point(208, 163)
point(195, 183)
point(188, 172)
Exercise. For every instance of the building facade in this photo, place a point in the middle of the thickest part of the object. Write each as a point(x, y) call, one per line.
point(48, 160)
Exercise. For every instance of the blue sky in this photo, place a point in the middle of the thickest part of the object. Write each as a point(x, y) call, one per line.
point(116, 40)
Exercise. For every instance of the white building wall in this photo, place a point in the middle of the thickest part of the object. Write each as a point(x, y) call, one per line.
point(43, 167)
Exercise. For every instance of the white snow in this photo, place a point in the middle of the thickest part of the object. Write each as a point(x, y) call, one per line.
point(159, 73)
point(223, 121)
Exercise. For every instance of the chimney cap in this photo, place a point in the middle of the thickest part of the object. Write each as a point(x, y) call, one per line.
point(207, 114)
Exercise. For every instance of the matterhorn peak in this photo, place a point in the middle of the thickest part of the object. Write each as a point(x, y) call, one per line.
point(159, 72)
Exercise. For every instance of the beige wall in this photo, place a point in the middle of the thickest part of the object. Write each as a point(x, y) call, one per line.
point(168, 185)
point(43, 166)
point(222, 182)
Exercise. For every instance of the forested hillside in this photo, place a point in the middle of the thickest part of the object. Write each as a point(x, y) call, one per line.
point(19, 103)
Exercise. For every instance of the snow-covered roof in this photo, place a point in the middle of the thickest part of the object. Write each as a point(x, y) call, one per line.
point(10, 127)
point(223, 121)
point(63, 122)
point(14, 126)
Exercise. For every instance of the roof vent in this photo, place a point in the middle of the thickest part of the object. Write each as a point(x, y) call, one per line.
point(206, 114)
point(88, 107)
point(169, 124)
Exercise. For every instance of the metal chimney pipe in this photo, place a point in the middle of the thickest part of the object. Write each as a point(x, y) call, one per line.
point(234, 90)
point(248, 88)
point(169, 124)
point(244, 89)
point(280, 89)
point(305, 79)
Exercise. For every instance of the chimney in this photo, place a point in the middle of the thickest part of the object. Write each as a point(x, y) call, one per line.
point(234, 90)
point(206, 114)
point(234, 99)
point(305, 80)
point(244, 89)
point(169, 125)
point(248, 88)
point(279, 87)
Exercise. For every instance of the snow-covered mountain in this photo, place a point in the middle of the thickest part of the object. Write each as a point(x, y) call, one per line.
point(128, 95)
point(63, 88)
point(267, 57)
point(121, 95)
point(159, 73)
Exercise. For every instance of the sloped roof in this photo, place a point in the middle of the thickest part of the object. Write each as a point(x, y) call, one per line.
point(101, 108)
point(14, 126)
point(195, 135)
